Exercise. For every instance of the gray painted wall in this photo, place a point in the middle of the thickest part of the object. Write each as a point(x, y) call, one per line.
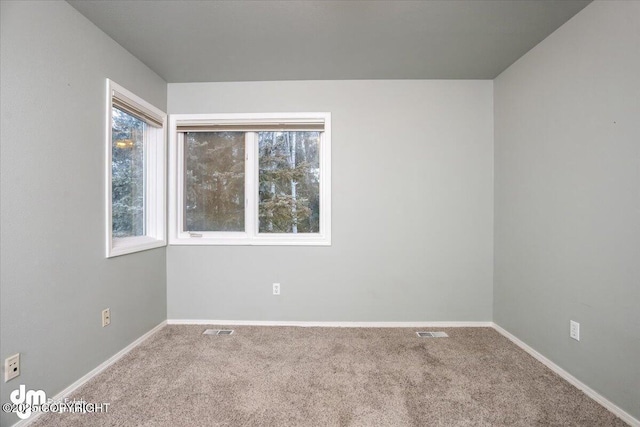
point(567, 199)
point(412, 209)
point(55, 278)
point(412, 203)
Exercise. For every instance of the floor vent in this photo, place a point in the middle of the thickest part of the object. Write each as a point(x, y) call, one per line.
point(432, 334)
point(218, 332)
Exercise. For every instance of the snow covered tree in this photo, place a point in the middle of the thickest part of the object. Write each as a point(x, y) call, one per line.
point(289, 182)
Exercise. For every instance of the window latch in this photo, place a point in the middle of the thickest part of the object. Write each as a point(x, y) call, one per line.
point(195, 234)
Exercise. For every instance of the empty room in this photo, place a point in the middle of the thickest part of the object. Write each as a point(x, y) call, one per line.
point(320, 213)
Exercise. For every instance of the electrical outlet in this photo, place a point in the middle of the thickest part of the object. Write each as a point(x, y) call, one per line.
point(574, 330)
point(106, 317)
point(11, 367)
point(276, 288)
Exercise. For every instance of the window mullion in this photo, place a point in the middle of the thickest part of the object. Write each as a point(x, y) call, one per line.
point(250, 188)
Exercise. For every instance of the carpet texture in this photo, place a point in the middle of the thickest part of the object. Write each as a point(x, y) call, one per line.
point(288, 376)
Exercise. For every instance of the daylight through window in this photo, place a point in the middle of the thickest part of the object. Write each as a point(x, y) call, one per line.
point(250, 179)
point(135, 173)
point(127, 174)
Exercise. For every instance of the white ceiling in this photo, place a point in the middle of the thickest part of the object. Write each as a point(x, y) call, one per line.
point(193, 41)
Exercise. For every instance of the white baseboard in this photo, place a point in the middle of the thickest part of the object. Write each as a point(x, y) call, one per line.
point(312, 324)
point(100, 368)
point(626, 417)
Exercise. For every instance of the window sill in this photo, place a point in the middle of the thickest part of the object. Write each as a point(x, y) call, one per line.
point(270, 241)
point(129, 245)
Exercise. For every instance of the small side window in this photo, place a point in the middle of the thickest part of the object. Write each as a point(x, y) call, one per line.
point(135, 173)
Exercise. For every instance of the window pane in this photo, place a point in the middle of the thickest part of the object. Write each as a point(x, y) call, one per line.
point(289, 177)
point(127, 170)
point(214, 181)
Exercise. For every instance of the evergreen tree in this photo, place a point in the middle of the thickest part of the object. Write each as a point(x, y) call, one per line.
point(214, 181)
point(289, 182)
point(127, 174)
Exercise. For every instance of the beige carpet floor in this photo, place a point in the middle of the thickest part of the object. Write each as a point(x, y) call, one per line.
point(287, 376)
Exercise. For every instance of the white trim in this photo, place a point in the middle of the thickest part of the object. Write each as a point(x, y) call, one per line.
point(250, 236)
point(175, 192)
point(616, 410)
point(321, 324)
point(129, 245)
point(325, 183)
point(155, 181)
point(252, 118)
point(93, 373)
point(251, 190)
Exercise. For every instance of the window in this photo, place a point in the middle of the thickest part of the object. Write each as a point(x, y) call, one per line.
point(135, 170)
point(250, 179)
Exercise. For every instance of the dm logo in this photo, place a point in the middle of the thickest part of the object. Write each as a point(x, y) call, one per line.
point(26, 400)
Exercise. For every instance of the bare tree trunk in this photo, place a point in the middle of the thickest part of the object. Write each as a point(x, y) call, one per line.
point(272, 187)
point(292, 163)
point(304, 144)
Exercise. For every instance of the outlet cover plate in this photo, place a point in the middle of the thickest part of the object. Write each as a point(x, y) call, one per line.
point(106, 317)
point(574, 330)
point(11, 367)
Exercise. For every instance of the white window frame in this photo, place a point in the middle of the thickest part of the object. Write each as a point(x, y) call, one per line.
point(251, 236)
point(154, 177)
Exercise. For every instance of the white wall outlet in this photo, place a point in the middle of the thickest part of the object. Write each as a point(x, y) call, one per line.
point(11, 367)
point(574, 330)
point(106, 317)
point(276, 288)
